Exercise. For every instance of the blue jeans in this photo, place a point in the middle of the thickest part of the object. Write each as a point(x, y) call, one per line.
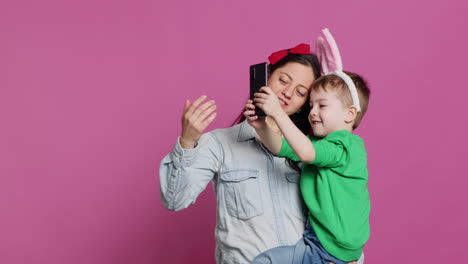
point(307, 250)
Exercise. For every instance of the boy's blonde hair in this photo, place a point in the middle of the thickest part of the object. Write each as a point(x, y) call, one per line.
point(335, 83)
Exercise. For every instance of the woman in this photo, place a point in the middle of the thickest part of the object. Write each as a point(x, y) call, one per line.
point(257, 194)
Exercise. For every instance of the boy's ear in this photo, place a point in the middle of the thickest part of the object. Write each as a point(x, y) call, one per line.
point(351, 114)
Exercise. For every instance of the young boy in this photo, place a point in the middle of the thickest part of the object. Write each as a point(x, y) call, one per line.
point(334, 170)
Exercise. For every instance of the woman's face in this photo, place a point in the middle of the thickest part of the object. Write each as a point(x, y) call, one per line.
point(291, 83)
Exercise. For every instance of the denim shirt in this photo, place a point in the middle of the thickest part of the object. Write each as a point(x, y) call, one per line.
point(258, 201)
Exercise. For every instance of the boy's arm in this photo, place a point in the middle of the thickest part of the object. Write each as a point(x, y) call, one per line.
point(299, 143)
point(270, 139)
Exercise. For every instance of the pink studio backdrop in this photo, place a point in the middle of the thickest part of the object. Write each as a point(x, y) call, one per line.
point(91, 93)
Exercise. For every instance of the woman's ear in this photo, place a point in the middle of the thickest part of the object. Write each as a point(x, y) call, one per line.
point(351, 114)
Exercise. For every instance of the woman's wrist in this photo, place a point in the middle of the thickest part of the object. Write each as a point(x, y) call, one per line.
point(187, 144)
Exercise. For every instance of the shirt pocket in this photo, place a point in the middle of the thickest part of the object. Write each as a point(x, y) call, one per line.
point(296, 201)
point(242, 193)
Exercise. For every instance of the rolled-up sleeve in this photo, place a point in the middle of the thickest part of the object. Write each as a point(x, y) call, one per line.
point(330, 153)
point(185, 173)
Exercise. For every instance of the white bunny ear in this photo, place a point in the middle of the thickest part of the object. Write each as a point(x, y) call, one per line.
point(321, 55)
point(330, 61)
point(335, 63)
point(328, 53)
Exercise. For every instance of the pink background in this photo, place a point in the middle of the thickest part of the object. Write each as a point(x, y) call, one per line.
point(91, 93)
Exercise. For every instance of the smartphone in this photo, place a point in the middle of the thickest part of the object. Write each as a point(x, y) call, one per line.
point(258, 78)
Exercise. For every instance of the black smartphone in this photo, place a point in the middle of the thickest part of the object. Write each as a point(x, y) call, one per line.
point(258, 78)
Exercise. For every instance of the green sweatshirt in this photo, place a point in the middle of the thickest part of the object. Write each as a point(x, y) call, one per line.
point(334, 188)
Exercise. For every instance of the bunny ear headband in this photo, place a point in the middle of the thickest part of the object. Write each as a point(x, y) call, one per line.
point(330, 60)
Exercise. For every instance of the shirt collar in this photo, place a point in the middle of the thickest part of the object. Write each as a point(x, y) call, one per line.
point(246, 132)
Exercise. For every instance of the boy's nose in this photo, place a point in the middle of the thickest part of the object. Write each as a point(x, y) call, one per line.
point(312, 112)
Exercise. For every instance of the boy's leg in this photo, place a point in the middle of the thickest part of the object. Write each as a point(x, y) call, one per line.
point(307, 250)
point(296, 254)
point(276, 255)
point(315, 253)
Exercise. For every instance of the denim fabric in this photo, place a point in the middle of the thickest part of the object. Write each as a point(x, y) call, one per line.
point(258, 201)
point(307, 250)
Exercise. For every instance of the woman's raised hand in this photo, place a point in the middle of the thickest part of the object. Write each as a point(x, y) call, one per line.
point(195, 118)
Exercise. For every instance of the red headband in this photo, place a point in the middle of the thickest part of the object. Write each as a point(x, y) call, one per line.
point(279, 55)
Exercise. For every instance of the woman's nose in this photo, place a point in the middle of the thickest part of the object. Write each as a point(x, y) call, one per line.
point(287, 91)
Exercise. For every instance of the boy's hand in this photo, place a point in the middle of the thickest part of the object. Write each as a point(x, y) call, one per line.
point(268, 102)
point(252, 119)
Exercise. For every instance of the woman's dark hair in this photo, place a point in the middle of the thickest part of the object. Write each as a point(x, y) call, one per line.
point(300, 118)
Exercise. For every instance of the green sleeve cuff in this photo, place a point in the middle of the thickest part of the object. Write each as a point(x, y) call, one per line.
point(286, 151)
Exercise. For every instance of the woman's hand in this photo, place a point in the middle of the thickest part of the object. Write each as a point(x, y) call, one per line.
point(195, 118)
point(252, 119)
point(268, 102)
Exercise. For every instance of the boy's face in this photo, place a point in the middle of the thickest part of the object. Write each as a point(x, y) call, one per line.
point(327, 114)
